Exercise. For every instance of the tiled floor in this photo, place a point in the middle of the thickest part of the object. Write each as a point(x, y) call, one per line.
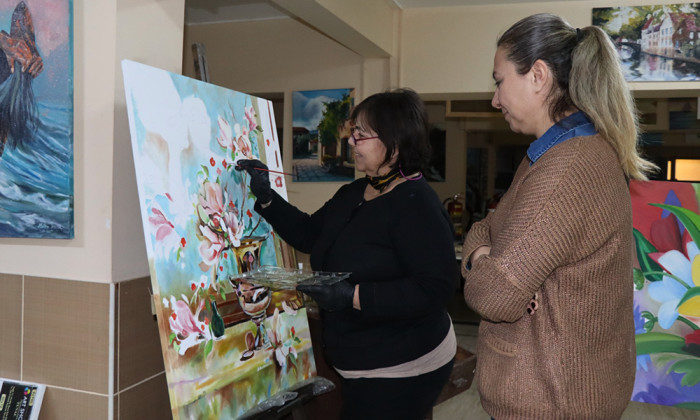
point(466, 406)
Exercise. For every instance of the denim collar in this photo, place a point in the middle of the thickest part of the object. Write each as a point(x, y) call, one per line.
point(575, 125)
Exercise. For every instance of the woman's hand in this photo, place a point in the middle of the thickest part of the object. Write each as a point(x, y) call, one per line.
point(333, 297)
point(259, 179)
point(532, 306)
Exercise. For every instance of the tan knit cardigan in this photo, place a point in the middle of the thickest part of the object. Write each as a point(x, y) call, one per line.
point(563, 230)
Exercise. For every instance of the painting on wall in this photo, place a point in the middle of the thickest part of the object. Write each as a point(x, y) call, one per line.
point(36, 119)
point(666, 223)
point(320, 133)
point(656, 42)
point(228, 345)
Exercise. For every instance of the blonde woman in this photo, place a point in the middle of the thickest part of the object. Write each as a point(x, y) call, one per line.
point(550, 271)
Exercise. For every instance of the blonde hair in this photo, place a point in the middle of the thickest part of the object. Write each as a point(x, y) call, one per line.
point(588, 76)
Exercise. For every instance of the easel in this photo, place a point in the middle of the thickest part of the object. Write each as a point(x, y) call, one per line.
point(290, 402)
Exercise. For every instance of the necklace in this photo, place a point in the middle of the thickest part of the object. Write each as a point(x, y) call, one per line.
point(380, 183)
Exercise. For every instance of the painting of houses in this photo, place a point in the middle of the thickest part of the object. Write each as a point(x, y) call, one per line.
point(320, 135)
point(655, 43)
point(228, 344)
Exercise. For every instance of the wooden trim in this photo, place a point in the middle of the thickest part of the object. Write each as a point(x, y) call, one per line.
point(465, 114)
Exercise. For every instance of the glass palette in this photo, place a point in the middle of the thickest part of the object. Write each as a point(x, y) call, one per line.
point(279, 278)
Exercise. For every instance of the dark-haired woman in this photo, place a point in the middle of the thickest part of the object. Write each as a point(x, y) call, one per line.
point(386, 330)
point(551, 268)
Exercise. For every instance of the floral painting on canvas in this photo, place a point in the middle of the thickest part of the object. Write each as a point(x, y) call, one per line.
point(228, 345)
point(667, 292)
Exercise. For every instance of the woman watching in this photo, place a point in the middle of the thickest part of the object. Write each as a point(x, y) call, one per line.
point(551, 268)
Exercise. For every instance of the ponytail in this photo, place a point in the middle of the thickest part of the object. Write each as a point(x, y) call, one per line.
point(588, 76)
point(610, 105)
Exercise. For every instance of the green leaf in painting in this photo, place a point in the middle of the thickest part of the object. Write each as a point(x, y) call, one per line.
point(649, 320)
point(206, 170)
point(691, 293)
point(171, 337)
point(638, 279)
point(691, 369)
point(690, 219)
point(208, 347)
point(644, 248)
point(202, 214)
point(657, 342)
point(293, 359)
point(689, 405)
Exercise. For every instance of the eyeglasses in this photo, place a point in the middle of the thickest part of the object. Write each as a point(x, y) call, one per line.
point(359, 139)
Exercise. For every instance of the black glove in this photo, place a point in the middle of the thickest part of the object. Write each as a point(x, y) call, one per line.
point(333, 297)
point(259, 179)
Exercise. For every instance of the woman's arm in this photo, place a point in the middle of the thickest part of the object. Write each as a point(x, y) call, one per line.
point(297, 228)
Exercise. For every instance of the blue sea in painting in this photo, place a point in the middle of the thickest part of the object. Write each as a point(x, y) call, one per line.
point(36, 184)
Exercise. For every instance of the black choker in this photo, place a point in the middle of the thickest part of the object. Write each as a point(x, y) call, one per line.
point(380, 183)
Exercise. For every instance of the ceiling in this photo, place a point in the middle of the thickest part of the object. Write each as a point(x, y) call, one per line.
point(212, 11)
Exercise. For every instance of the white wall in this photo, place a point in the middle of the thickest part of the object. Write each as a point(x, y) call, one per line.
point(149, 32)
point(450, 50)
point(283, 55)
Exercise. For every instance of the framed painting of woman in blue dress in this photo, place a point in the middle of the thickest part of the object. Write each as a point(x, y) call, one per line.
point(36, 119)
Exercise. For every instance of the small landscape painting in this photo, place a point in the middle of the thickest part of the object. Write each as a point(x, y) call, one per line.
point(320, 135)
point(655, 42)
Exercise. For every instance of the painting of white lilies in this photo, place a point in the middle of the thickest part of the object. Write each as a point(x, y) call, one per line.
point(228, 345)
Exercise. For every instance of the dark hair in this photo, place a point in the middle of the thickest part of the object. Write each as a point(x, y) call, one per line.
point(588, 76)
point(400, 120)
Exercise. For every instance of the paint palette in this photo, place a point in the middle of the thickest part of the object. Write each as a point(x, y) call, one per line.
point(279, 278)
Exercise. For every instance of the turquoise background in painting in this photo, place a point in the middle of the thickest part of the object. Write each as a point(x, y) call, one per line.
point(176, 266)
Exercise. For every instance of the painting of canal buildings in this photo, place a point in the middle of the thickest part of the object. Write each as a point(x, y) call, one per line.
point(655, 43)
point(320, 133)
point(36, 119)
point(227, 345)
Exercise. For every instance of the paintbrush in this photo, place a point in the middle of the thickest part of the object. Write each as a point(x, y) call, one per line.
point(268, 170)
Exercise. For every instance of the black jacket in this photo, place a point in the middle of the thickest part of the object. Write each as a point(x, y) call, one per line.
point(399, 247)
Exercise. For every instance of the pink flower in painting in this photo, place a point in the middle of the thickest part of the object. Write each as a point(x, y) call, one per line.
point(250, 116)
point(242, 141)
point(211, 198)
point(234, 227)
point(225, 137)
point(162, 226)
point(188, 329)
point(210, 246)
point(282, 348)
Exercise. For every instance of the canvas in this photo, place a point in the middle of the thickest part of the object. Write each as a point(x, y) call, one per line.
point(655, 42)
point(667, 292)
point(227, 345)
point(320, 134)
point(36, 119)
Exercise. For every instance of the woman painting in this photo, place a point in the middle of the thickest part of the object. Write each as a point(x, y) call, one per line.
point(385, 330)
